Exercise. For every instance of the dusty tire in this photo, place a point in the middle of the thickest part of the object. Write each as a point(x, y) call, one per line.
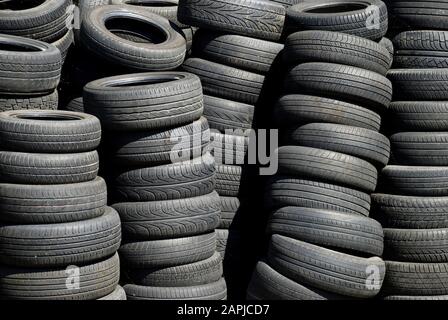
point(44, 102)
point(117, 295)
point(228, 180)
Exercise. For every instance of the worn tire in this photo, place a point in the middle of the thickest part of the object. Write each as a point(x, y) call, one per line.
point(228, 180)
point(44, 102)
point(417, 15)
point(229, 149)
point(420, 115)
point(75, 105)
point(230, 207)
point(64, 44)
point(117, 295)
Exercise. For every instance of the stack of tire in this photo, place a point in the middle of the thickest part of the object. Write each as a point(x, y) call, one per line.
point(323, 244)
point(161, 179)
point(58, 239)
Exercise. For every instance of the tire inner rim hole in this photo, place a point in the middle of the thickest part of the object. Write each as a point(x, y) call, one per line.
point(338, 8)
point(48, 117)
point(150, 3)
point(142, 82)
point(17, 47)
point(136, 30)
point(16, 5)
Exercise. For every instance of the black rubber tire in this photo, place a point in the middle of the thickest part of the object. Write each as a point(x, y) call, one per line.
point(230, 207)
point(288, 3)
point(87, 5)
point(130, 48)
point(328, 229)
point(46, 22)
point(416, 298)
point(186, 275)
point(404, 278)
point(241, 52)
point(75, 105)
point(155, 220)
point(229, 149)
point(57, 132)
point(225, 114)
point(410, 212)
point(284, 192)
point(226, 82)
point(117, 295)
point(346, 83)
point(336, 47)
point(228, 180)
point(419, 84)
point(145, 101)
point(389, 45)
point(222, 235)
point(168, 252)
point(352, 20)
point(358, 142)
point(211, 291)
point(28, 67)
point(327, 166)
point(420, 115)
point(96, 280)
point(298, 109)
point(420, 148)
point(178, 180)
point(51, 245)
point(35, 168)
point(159, 147)
point(64, 44)
point(252, 18)
point(40, 204)
point(430, 14)
point(322, 268)
point(45, 102)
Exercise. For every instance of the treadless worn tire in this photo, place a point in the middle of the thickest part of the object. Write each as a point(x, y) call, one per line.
point(51, 245)
point(420, 115)
point(64, 44)
point(410, 212)
point(416, 245)
point(236, 51)
point(137, 40)
point(251, 18)
point(358, 142)
point(346, 83)
point(186, 275)
point(46, 131)
point(226, 82)
point(168, 252)
point(324, 269)
point(211, 291)
point(28, 67)
point(419, 84)
point(45, 102)
point(298, 109)
point(96, 281)
point(420, 148)
point(154, 220)
point(336, 47)
point(41, 168)
point(37, 204)
point(230, 207)
point(116, 295)
point(327, 166)
point(329, 229)
point(229, 148)
point(429, 14)
point(228, 180)
point(284, 192)
point(145, 101)
point(75, 105)
point(414, 279)
point(352, 17)
point(167, 182)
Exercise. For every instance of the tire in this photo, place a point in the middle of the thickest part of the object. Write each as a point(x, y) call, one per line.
point(420, 148)
point(226, 82)
point(155, 220)
point(420, 115)
point(46, 204)
point(420, 15)
point(117, 295)
point(145, 101)
point(34, 168)
point(64, 44)
point(349, 84)
point(297, 109)
point(228, 180)
point(288, 3)
point(45, 22)
point(336, 47)
point(96, 280)
point(179, 180)
point(57, 132)
point(229, 149)
point(28, 67)
point(230, 208)
point(225, 115)
point(211, 291)
point(350, 17)
point(327, 166)
point(52, 245)
point(44, 102)
point(284, 192)
point(329, 229)
point(416, 245)
point(324, 269)
point(236, 51)
point(389, 45)
point(169, 252)
point(187, 275)
point(127, 44)
point(419, 84)
point(251, 18)
point(358, 142)
point(75, 105)
point(222, 236)
point(420, 298)
point(410, 212)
